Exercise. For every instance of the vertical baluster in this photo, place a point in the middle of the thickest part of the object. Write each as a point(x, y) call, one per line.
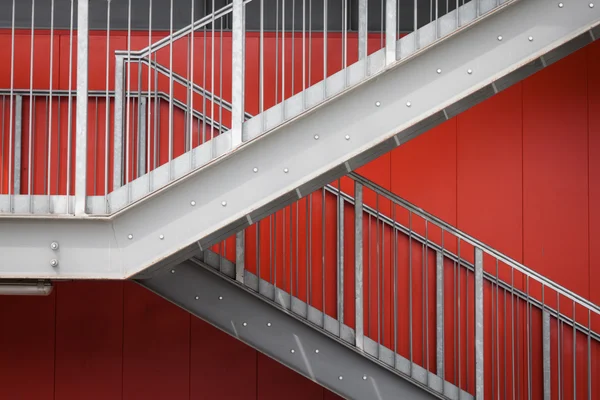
point(70, 106)
point(323, 247)
point(13, 183)
point(479, 376)
point(261, 66)
point(589, 356)
point(410, 311)
point(50, 114)
point(358, 264)
point(439, 273)
point(18, 143)
point(325, 3)
point(107, 106)
point(240, 245)
point(149, 98)
point(546, 354)
point(30, 159)
point(362, 31)
point(574, 353)
point(82, 107)
point(390, 32)
point(395, 287)
point(171, 122)
point(191, 88)
point(340, 256)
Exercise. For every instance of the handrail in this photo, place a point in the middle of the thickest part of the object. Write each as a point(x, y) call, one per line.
point(461, 261)
point(102, 93)
point(183, 81)
point(164, 42)
point(471, 240)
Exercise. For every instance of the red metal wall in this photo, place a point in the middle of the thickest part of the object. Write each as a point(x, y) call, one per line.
point(521, 172)
point(116, 340)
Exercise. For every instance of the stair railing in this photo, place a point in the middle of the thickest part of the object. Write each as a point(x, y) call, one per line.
point(418, 295)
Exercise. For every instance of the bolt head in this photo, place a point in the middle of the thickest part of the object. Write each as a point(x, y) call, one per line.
point(317, 351)
point(224, 203)
point(560, 5)
point(245, 324)
point(347, 137)
point(161, 237)
point(377, 104)
point(130, 236)
point(54, 245)
point(192, 203)
point(530, 38)
point(316, 137)
point(364, 377)
point(255, 170)
point(285, 170)
point(439, 71)
point(172, 271)
point(197, 298)
point(220, 297)
point(340, 377)
point(268, 324)
point(54, 262)
point(292, 351)
point(500, 38)
point(591, 5)
point(469, 71)
point(408, 104)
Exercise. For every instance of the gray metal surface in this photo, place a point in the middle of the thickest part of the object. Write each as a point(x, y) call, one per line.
point(240, 313)
point(310, 163)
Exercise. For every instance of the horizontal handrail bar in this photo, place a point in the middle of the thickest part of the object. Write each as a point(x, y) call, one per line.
point(474, 242)
point(461, 261)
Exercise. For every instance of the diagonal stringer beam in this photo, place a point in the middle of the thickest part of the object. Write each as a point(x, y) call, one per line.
point(238, 311)
point(227, 195)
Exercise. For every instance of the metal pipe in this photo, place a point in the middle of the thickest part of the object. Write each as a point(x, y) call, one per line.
point(25, 288)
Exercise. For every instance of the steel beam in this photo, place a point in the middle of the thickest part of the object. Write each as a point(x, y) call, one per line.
point(133, 241)
point(240, 312)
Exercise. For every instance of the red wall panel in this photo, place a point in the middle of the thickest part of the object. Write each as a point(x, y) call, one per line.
point(221, 367)
point(593, 59)
point(156, 347)
point(89, 340)
point(27, 347)
point(555, 170)
point(276, 381)
point(489, 172)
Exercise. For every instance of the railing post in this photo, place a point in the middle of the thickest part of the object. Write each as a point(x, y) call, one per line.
point(141, 169)
point(546, 354)
point(340, 258)
point(82, 107)
point(390, 31)
point(118, 123)
point(237, 72)
point(362, 29)
point(18, 138)
point(240, 245)
point(358, 264)
point(479, 377)
point(439, 274)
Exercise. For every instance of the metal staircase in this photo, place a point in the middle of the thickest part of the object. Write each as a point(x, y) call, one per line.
point(336, 316)
point(263, 163)
point(395, 332)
